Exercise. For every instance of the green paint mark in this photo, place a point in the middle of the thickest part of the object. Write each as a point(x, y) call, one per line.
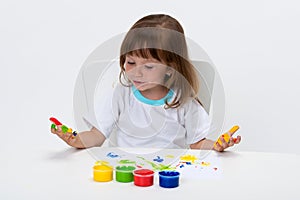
point(158, 167)
point(53, 126)
point(126, 162)
point(64, 128)
point(169, 156)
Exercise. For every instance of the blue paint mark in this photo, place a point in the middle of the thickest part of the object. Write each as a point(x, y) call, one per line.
point(112, 155)
point(158, 159)
point(181, 166)
point(188, 163)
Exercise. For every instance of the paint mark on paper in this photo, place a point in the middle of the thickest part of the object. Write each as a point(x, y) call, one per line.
point(205, 164)
point(112, 155)
point(188, 158)
point(158, 167)
point(126, 162)
point(169, 156)
point(158, 159)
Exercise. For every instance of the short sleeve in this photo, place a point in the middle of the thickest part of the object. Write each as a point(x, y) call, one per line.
point(106, 110)
point(197, 122)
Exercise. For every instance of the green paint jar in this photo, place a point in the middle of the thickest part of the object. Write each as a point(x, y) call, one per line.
point(124, 174)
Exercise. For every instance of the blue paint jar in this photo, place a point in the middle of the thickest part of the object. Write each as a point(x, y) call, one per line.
point(168, 179)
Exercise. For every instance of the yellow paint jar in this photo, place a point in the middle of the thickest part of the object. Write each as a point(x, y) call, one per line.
point(103, 173)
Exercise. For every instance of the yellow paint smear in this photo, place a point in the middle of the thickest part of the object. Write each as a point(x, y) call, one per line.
point(188, 158)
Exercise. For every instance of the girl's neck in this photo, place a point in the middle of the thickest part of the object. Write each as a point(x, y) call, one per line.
point(155, 93)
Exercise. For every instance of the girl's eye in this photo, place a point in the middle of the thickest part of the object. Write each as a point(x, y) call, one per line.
point(148, 67)
point(130, 63)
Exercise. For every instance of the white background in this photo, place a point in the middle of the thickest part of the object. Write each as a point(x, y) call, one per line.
point(254, 45)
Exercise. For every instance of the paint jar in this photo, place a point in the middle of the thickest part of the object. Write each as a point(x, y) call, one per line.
point(143, 177)
point(124, 174)
point(168, 179)
point(103, 173)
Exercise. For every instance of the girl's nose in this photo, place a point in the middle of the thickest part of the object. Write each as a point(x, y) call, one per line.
point(138, 71)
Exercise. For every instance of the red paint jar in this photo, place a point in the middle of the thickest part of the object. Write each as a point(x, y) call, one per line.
point(143, 177)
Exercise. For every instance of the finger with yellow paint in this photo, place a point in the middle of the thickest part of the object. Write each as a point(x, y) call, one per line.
point(226, 136)
point(233, 130)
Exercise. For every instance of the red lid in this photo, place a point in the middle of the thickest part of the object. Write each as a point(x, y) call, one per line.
point(143, 172)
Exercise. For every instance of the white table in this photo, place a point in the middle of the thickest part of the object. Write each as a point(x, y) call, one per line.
point(43, 173)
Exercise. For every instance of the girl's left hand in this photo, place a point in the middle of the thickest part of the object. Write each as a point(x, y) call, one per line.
point(232, 141)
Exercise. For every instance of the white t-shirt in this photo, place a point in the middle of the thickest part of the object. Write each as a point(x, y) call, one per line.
point(141, 122)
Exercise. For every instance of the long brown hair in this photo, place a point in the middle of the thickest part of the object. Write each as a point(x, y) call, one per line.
point(161, 37)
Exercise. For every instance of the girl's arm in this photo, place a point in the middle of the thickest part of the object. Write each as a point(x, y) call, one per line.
point(83, 140)
point(207, 144)
point(204, 144)
point(224, 141)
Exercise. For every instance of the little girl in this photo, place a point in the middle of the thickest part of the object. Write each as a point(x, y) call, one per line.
point(155, 104)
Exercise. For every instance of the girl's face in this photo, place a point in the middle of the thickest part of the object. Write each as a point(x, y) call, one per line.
point(145, 74)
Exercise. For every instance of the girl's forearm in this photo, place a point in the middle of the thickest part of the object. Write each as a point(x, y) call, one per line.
point(205, 144)
point(89, 139)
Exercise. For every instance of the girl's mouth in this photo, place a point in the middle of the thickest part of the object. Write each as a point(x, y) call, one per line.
point(138, 82)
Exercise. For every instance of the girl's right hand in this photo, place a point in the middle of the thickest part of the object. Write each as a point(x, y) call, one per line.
point(67, 137)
